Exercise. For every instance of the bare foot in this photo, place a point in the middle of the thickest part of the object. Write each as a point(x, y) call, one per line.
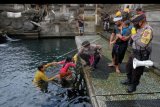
point(69, 77)
point(111, 65)
point(118, 71)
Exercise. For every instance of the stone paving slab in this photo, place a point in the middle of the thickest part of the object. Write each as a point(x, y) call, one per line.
point(105, 82)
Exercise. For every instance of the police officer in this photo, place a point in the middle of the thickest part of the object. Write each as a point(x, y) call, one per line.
point(141, 49)
point(139, 11)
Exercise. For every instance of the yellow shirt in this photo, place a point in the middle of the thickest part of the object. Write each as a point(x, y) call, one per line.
point(133, 31)
point(41, 76)
point(126, 10)
point(75, 58)
point(118, 14)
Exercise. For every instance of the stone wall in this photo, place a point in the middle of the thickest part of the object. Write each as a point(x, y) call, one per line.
point(20, 24)
point(59, 25)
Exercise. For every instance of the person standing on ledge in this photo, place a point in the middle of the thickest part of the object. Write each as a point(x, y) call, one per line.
point(141, 49)
point(122, 33)
point(81, 25)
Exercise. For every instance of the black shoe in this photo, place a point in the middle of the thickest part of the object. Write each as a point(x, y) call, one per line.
point(126, 82)
point(131, 88)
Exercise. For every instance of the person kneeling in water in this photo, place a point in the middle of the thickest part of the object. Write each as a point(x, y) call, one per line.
point(64, 71)
point(40, 78)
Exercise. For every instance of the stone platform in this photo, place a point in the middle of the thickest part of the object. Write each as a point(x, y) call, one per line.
point(104, 85)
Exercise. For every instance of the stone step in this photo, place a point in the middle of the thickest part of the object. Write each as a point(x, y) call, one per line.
point(89, 33)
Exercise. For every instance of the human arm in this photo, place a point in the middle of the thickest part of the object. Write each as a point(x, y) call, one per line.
point(77, 24)
point(114, 32)
point(123, 38)
point(105, 19)
point(98, 48)
point(60, 62)
point(114, 41)
point(75, 58)
point(49, 64)
point(81, 20)
point(72, 64)
point(112, 35)
point(45, 78)
point(111, 38)
point(143, 39)
point(80, 51)
point(126, 38)
point(125, 35)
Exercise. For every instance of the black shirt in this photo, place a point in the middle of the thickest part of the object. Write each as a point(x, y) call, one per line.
point(117, 31)
point(81, 24)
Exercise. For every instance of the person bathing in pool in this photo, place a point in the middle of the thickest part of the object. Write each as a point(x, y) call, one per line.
point(64, 71)
point(40, 79)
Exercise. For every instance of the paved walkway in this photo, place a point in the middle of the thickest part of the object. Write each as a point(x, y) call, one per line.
point(104, 85)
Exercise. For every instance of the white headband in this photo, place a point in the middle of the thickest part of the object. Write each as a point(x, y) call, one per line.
point(117, 19)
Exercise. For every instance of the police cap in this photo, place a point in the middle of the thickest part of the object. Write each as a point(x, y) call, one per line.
point(138, 18)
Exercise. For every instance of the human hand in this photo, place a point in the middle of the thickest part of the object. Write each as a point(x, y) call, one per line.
point(112, 42)
point(100, 55)
point(54, 63)
point(110, 45)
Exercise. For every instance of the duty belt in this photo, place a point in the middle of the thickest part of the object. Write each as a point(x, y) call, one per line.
point(136, 50)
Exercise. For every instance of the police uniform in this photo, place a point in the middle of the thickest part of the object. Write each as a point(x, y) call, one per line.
point(141, 48)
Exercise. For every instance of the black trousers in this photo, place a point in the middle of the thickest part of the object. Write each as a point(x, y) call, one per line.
point(86, 58)
point(118, 52)
point(134, 75)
